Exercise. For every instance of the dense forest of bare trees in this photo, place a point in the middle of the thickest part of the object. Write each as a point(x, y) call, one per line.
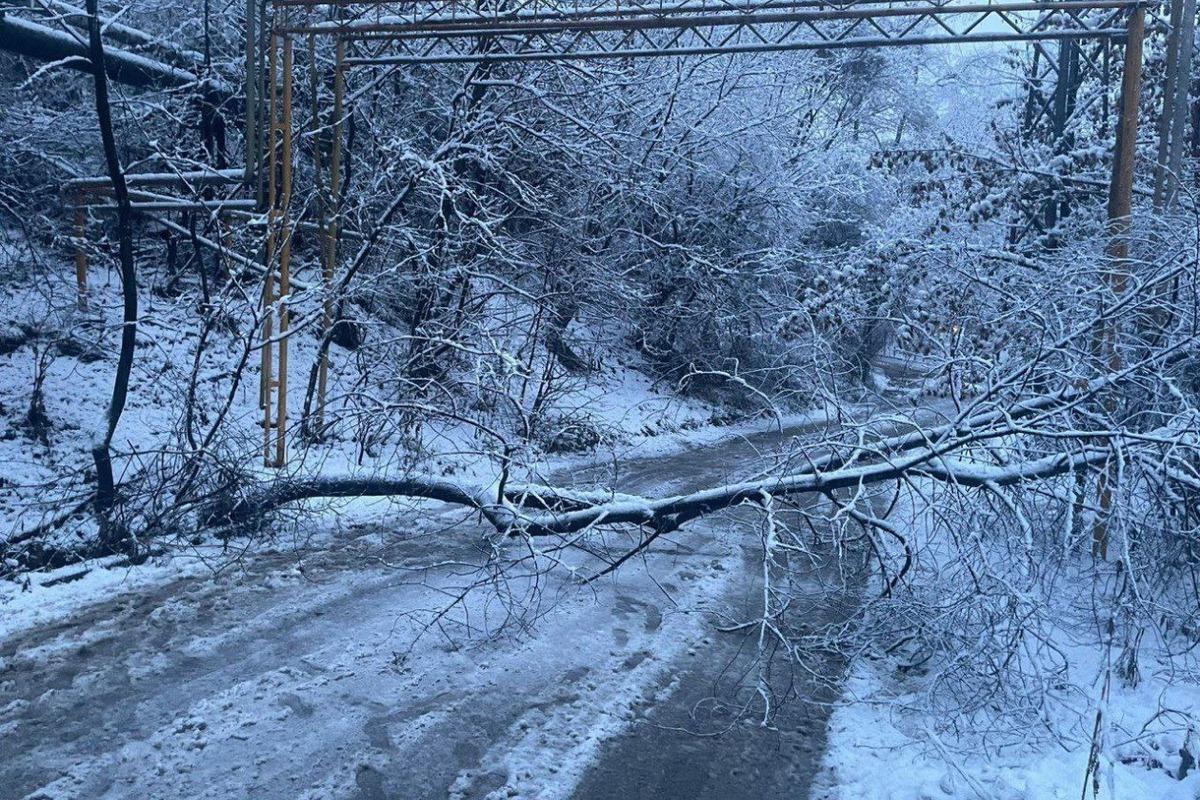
point(247, 284)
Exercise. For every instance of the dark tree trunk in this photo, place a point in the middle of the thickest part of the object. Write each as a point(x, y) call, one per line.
point(101, 449)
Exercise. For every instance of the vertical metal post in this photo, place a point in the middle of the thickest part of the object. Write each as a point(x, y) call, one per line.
point(264, 73)
point(1120, 210)
point(81, 259)
point(318, 131)
point(329, 252)
point(285, 251)
point(268, 296)
point(253, 84)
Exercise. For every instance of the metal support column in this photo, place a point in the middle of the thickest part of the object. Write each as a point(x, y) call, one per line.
point(277, 282)
point(330, 224)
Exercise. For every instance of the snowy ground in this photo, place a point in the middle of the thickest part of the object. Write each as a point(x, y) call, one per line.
point(69, 355)
point(885, 742)
point(881, 749)
point(289, 674)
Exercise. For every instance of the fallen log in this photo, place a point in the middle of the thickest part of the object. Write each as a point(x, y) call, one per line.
point(524, 510)
point(29, 39)
point(125, 35)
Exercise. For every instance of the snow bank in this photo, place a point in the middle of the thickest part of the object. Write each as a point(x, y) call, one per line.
point(882, 748)
point(1034, 735)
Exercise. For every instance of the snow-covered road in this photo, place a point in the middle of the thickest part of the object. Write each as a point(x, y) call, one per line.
point(289, 676)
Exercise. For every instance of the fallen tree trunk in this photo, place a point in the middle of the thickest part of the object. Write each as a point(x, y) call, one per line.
point(274, 495)
point(29, 39)
point(537, 510)
point(523, 510)
point(124, 34)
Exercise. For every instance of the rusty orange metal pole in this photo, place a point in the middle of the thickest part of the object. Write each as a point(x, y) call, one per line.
point(266, 397)
point(285, 252)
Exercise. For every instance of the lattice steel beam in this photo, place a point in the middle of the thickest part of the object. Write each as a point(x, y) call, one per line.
point(539, 30)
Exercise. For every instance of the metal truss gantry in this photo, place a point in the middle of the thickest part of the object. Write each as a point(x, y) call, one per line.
point(389, 34)
point(450, 31)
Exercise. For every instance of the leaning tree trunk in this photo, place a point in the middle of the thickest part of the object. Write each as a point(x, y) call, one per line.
point(102, 448)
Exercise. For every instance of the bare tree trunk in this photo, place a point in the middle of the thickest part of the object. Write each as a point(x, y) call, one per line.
point(1182, 80)
point(1120, 223)
point(101, 449)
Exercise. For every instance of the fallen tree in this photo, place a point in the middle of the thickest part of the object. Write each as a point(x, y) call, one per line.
point(31, 40)
point(543, 511)
point(126, 35)
point(933, 453)
point(1006, 413)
